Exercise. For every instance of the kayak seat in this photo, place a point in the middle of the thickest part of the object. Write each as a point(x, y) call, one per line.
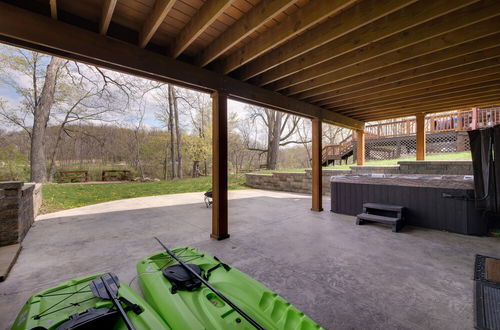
point(103, 318)
point(181, 279)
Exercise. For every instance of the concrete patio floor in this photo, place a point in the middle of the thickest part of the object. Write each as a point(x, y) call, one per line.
point(342, 275)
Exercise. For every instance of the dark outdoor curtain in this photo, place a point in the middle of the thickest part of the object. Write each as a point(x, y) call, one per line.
point(485, 147)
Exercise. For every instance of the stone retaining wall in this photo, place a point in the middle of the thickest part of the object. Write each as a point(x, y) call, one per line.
point(301, 181)
point(19, 204)
point(456, 167)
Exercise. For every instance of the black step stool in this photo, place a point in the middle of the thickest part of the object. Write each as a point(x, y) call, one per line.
point(382, 213)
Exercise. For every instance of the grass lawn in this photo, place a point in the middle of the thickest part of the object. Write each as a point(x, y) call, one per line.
point(446, 156)
point(58, 197)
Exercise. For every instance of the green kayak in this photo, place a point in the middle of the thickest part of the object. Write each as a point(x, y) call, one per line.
point(76, 305)
point(186, 303)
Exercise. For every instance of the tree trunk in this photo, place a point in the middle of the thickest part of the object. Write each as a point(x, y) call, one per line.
point(274, 142)
point(171, 129)
point(40, 120)
point(178, 140)
point(196, 169)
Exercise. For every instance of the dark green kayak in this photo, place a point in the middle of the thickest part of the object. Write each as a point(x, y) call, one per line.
point(185, 303)
point(75, 305)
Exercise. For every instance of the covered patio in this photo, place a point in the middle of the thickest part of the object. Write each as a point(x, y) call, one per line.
point(342, 275)
point(341, 62)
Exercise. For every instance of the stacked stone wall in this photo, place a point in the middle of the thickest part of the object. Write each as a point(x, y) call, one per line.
point(301, 181)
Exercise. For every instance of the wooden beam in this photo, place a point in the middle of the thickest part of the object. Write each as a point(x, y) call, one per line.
point(424, 106)
point(198, 24)
point(156, 17)
point(403, 70)
point(420, 136)
point(108, 7)
point(312, 13)
point(491, 101)
point(431, 98)
point(23, 28)
point(467, 102)
point(424, 38)
point(391, 24)
point(352, 18)
point(317, 176)
point(360, 147)
point(219, 167)
point(53, 9)
point(255, 18)
point(463, 79)
point(431, 95)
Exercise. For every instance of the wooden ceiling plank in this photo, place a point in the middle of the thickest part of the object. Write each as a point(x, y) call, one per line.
point(447, 58)
point(157, 15)
point(466, 69)
point(53, 9)
point(492, 100)
point(309, 15)
point(324, 63)
point(463, 35)
point(241, 29)
point(205, 16)
point(423, 106)
point(395, 22)
point(347, 21)
point(481, 85)
point(27, 29)
point(108, 8)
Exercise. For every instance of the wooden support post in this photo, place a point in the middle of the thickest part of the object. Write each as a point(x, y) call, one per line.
point(360, 152)
point(473, 124)
point(219, 166)
point(317, 176)
point(420, 136)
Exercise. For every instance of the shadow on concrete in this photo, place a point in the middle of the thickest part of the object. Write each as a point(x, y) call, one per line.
point(343, 276)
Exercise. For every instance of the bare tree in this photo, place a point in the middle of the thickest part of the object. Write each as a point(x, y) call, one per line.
point(281, 129)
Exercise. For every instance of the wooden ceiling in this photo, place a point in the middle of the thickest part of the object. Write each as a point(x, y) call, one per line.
point(365, 59)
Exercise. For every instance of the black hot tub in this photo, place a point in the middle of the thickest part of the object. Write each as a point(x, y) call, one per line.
point(422, 195)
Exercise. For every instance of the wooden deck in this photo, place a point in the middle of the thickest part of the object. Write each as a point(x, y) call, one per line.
point(396, 133)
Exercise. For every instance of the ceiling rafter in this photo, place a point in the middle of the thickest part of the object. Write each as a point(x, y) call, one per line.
point(324, 63)
point(53, 8)
point(309, 15)
point(492, 100)
point(447, 58)
point(419, 96)
point(108, 8)
point(347, 21)
point(352, 65)
point(477, 67)
point(156, 17)
point(207, 14)
point(422, 106)
point(249, 23)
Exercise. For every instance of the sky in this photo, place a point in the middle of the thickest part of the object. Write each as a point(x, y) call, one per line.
point(9, 94)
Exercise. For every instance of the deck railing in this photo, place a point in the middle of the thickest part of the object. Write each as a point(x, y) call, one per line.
point(460, 120)
point(453, 121)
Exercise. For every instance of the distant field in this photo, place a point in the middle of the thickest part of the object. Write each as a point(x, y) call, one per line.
point(66, 196)
point(447, 156)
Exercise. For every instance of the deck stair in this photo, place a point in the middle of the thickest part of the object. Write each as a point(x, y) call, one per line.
point(382, 213)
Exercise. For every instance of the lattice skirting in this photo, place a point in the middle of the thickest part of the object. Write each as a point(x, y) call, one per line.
point(405, 146)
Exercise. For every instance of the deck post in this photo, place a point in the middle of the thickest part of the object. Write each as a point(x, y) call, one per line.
point(420, 118)
point(317, 176)
point(473, 124)
point(360, 152)
point(219, 166)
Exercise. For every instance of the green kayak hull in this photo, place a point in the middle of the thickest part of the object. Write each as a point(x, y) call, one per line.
point(202, 309)
point(50, 308)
